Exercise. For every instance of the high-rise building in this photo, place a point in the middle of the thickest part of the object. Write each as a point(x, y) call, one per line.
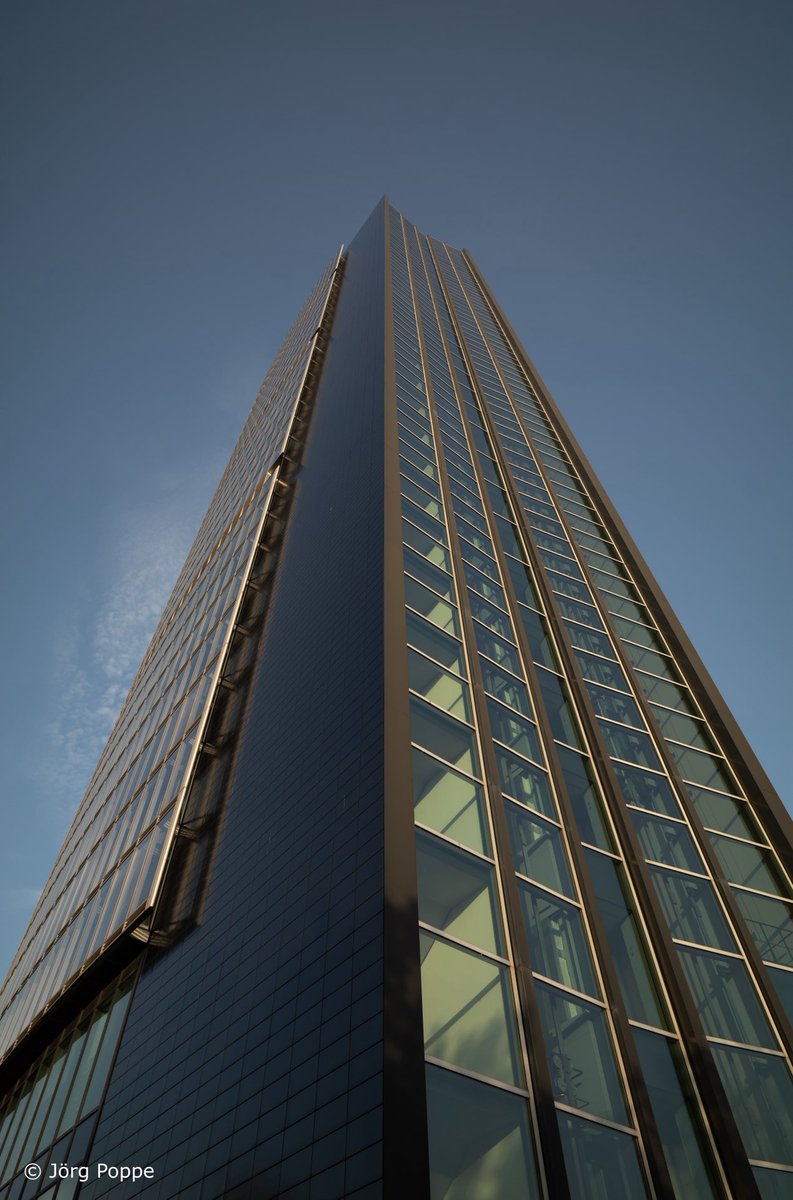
point(424, 858)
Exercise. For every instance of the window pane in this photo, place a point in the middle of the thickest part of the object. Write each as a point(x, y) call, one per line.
point(664, 692)
point(457, 893)
point(625, 942)
point(516, 732)
point(724, 814)
point(525, 782)
point(505, 687)
point(625, 743)
point(479, 1141)
point(783, 982)
point(444, 736)
point(601, 670)
point(691, 909)
point(770, 924)
point(666, 842)
point(431, 606)
point(676, 1116)
point(583, 1072)
point(422, 544)
point(602, 1163)
point(760, 1092)
point(747, 865)
point(437, 685)
point(540, 644)
point(496, 648)
point(468, 1012)
point(615, 705)
point(705, 769)
point(725, 998)
point(774, 1185)
point(557, 942)
point(646, 790)
point(584, 798)
point(683, 728)
point(490, 615)
point(449, 802)
point(560, 716)
point(432, 641)
point(428, 574)
point(538, 850)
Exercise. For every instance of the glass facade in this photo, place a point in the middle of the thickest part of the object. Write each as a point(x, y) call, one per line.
point(566, 967)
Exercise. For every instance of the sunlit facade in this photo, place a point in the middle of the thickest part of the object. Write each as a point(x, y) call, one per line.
point(424, 858)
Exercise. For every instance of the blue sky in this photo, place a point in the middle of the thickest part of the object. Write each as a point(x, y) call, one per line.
point(177, 172)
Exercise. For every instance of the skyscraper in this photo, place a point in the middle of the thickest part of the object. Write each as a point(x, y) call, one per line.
point(424, 858)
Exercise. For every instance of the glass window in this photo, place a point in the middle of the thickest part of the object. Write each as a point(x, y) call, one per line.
point(505, 687)
point(457, 893)
point(628, 744)
point(567, 586)
point(419, 541)
point(559, 713)
point(760, 1093)
point(538, 850)
point(438, 686)
point(448, 802)
point(646, 790)
point(583, 1071)
point(725, 998)
point(584, 614)
point(444, 736)
point(557, 941)
point(516, 732)
point(582, 791)
point(638, 633)
point(421, 518)
point(521, 581)
point(590, 640)
point(724, 814)
point(683, 728)
point(602, 1163)
point(748, 865)
point(468, 1012)
point(525, 782)
point(617, 912)
point(648, 660)
point(704, 769)
point(667, 842)
point(773, 1184)
point(490, 615)
point(770, 924)
point(541, 646)
point(425, 572)
point(431, 606)
point(482, 584)
point(432, 641)
point(691, 908)
point(677, 1117)
point(426, 502)
point(664, 692)
point(615, 705)
point(601, 670)
point(497, 648)
point(479, 1140)
point(481, 562)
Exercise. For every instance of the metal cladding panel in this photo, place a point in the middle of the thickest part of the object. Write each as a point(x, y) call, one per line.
point(253, 1054)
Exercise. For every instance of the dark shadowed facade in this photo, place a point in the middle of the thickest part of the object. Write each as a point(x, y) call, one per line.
point(424, 859)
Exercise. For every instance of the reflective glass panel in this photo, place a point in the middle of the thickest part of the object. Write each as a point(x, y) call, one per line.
point(679, 1125)
point(602, 1163)
point(770, 924)
point(760, 1092)
point(583, 794)
point(666, 842)
point(468, 1013)
point(646, 790)
point(432, 641)
point(516, 732)
point(457, 893)
point(438, 686)
point(449, 802)
point(747, 865)
point(557, 941)
point(505, 687)
point(724, 814)
point(725, 998)
point(772, 1184)
point(691, 909)
point(524, 782)
point(629, 744)
point(479, 1141)
point(431, 606)
point(583, 1071)
point(444, 736)
point(635, 974)
point(538, 850)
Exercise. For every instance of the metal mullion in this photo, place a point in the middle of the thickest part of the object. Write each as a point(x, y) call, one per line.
point(547, 1138)
point(727, 1137)
point(404, 1088)
point(634, 864)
